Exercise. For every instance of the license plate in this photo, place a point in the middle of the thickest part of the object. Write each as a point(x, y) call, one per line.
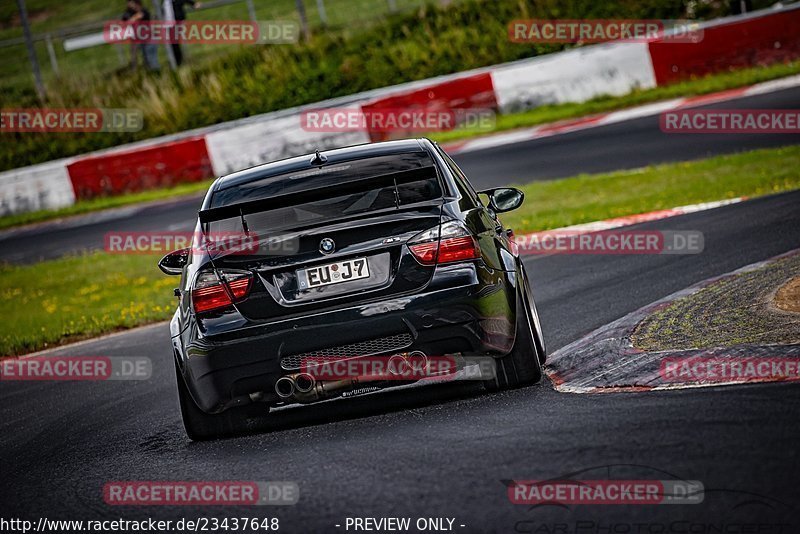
point(333, 273)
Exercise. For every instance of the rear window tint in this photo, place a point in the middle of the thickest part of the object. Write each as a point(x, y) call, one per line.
point(369, 195)
point(336, 173)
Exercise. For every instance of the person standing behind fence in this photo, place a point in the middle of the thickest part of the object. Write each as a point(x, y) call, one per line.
point(179, 12)
point(136, 13)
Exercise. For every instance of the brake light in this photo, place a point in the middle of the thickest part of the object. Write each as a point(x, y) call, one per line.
point(449, 243)
point(212, 293)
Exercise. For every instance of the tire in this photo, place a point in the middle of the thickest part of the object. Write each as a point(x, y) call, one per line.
point(523, 365)
point(541, 348)
point(201, 426)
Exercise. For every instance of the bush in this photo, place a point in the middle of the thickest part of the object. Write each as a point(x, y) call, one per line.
point(428, 42)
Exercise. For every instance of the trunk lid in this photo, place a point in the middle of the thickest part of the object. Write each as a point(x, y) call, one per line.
point(337, 240)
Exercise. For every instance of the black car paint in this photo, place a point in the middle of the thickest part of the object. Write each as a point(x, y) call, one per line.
point(227, 356)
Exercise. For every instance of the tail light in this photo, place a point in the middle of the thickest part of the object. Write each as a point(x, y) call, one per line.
point(448, 243)
point(213, 293)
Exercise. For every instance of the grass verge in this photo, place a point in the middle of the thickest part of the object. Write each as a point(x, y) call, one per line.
point(79, 297)
point(736, 310)
point(83, 296)
point(439, 38)
point(540, 115)
point(587, 198)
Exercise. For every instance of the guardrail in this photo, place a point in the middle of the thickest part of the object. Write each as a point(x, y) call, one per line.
point(574, 75)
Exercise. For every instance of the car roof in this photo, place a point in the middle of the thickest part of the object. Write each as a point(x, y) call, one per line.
point(298, 163)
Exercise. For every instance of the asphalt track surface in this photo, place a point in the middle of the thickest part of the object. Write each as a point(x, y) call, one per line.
point(626, 145)
point(443, 451)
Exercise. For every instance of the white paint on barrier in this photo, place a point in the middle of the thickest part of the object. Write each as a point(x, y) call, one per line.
point(38, 187)
point(562, 127)
point(638, 112)
point(575, 75)
point(646, 110)
point(774, 85)
point(572, 76)
point(270, 140)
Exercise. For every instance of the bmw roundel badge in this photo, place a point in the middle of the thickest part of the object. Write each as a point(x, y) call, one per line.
point(326, 246)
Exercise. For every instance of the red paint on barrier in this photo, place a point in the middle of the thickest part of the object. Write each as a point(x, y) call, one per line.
point(470, 92)
point(759, 40)
point(700, 100)
point(570, 124)
point(160, 165)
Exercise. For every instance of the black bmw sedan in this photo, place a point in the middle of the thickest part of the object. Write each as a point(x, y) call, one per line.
point(377, 251)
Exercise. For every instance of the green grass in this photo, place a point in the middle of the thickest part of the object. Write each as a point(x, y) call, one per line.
point(78, 297)
point(52, 16)
point(587, 198)
point(73, 298)
point(736, 310)
point(545, 114)
point(699, 86)
point(102, 203)
point(440, 38)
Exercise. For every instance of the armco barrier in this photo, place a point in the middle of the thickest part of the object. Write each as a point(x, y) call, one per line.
point(574, 75)
point(756, 39)
point(159, 165)
point(467, 92)
point(260, 141)
point(38, 187)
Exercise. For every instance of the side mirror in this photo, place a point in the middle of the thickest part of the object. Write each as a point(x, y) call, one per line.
point(504, 198)
point(174, 262)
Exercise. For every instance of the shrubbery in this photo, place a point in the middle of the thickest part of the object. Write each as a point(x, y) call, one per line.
point(429, 42)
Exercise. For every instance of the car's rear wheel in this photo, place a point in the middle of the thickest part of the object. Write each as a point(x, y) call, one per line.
point(202, 426)
point(522, 366)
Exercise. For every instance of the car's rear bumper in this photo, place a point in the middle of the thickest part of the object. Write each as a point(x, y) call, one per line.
point(466, 309)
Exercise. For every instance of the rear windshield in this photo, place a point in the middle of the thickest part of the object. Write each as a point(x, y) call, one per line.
point(333, 174)
point(367, 191)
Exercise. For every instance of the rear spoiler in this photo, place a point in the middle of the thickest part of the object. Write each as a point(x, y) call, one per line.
point(319, 193)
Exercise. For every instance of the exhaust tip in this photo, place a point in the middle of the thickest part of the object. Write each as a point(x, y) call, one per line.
point(284, 387)
point(418, 361)
point(397, 364)
point(304, 382)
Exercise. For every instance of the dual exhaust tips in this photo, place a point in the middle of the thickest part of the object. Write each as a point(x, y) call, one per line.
point(408, 361)
point(304, 387)
point(286, 386)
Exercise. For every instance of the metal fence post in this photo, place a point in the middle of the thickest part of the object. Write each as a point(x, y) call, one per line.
point(323, 15)
point(37, 72)
point(160, 16)
point(301, 11)
point(52, 53)
point(251, 10)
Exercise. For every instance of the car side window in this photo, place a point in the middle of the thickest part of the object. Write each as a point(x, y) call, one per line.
point(465, 189)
